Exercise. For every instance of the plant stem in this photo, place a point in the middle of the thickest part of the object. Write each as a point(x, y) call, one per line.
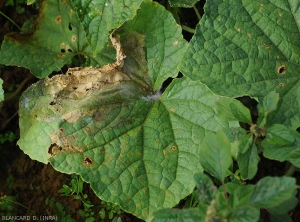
point(197, 12)
point(188, 29)
point(1, 13)
point(290, 171)
point(4, 199)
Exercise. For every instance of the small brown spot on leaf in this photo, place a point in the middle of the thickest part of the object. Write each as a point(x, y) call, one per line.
point(175, 42)
point(173, 148)
point(281, 85)
point(87, 161)
point(238, 29)
point(54, 149)
point(249, 35)
point(73, 39)
point(165, 152)
point(261, 6)
point(281, 69)
point(267, 47)
point(58, 19)
point(61, 55)
point(280, 14)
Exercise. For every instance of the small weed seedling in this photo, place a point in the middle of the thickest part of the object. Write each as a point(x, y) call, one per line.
point(75, 189)
point(109, 211)
point(63, 212)
point(232, 199)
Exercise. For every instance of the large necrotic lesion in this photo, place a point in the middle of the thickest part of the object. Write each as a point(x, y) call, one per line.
point(80, 82)
point(54, 149)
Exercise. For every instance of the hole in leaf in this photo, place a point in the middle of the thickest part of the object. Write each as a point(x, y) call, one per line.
point(168, 81)
point(54, 149)
point(52, 103)
point(62, 50)
point(87, 161)
point(70, 50)
point(281, 69)
point(70, 26)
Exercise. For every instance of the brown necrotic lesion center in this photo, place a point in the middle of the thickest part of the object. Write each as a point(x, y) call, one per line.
point(87, 161)
point(54, 149)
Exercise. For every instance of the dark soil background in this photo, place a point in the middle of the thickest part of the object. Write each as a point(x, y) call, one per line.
point(31, 183)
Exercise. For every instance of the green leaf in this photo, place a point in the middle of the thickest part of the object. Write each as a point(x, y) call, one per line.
point(285, 206)
point(298, 101)
point(279, 218)
point(245, 47)
point(248, 162)
point(245, 142)
point(232, 109)
point(216, 154)
point(1, 91)
point(137, 140)
point(279, 135)
point(187, 215)
point(245, 214)
point(270, 101)
point(183, 3)
point(137, 148)
point(163, 40)
point(234, 134)
point(29, 2)
point(272, 191)
point(242, 195)
point(268, 105)
point(205, 188)
point(58, 37)
point(282, 144)
point(99, 17)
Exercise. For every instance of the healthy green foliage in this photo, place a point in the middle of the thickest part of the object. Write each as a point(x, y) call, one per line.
point(182, 3)
point(248, 48)
point(282, 144)
point(243, 203)
point(215, 154)
point(232, 109)
point(57, 39)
